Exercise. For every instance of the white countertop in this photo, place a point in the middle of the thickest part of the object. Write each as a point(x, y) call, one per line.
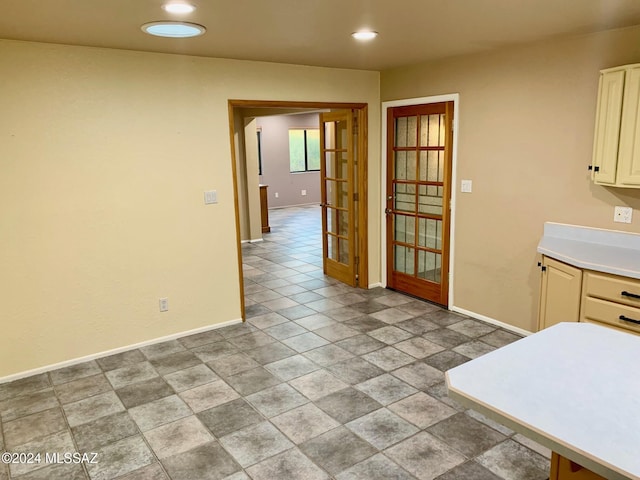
point(574, 387)
point(596, 249)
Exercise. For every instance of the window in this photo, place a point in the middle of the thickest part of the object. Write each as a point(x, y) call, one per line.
point(259, 132)
point(304, 149)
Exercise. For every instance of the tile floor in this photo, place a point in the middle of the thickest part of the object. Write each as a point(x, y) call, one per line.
point(323, 381)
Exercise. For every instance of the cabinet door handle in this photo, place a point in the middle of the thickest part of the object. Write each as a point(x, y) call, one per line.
point(627, 319)
point(544, 269)
point(629, 294)
point(596, 169)
point(590, 167)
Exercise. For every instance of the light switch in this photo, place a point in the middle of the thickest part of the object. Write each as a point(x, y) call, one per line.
point(466, 186)
point(210, 197)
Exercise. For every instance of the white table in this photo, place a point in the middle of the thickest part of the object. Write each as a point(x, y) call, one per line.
point(574, 388)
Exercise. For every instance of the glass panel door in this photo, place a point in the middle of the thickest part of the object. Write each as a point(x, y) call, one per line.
point(338, 206)
point(418, 190)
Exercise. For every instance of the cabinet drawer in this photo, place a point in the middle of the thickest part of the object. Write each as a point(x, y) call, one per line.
point(609, 313)
point(610, 287)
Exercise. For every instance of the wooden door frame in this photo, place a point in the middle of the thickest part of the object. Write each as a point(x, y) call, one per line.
point(363, 123)
point(455, 98)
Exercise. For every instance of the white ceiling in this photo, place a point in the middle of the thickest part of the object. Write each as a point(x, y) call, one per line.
point(317, 32)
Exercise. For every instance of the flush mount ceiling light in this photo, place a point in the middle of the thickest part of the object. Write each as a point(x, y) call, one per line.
point(173, 29)
point(364, 35)
point(178, 8)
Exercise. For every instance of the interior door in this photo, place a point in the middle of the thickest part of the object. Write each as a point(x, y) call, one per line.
point(337, 170)
point(419, 139)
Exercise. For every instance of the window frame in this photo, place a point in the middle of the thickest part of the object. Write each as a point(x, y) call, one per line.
point(306, 149)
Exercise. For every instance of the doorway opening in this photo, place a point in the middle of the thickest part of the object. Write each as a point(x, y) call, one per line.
point(343, 184)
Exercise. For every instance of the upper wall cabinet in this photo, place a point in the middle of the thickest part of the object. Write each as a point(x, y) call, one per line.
point(616, 148)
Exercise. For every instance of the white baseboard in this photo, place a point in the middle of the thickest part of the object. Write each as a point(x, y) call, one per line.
point(257, 240)
point(88, 358)
point(375, 285)
point(492, 321)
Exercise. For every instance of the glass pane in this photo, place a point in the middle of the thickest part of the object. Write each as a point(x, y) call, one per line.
point(337, 165)
point(432, 166)
point(403, 259)
point(329, 135)
point(430, 204)
point(406, 130)
point(335, 135)
point(342, 140)
point(344, 251)
point(337, 193)
point(432, 130)
point(406, 165)
point(405, 229)
point(401, 132)
point(296, 150)
point(332, 220)
point(404, 198)
point(435, 129)
point(412, 131)
point(343, 223)
point(313, 149)
point(430, 233)
point(332, 247)
point(429, 266)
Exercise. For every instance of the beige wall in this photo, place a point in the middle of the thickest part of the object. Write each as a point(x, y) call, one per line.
point(104, 158)
point(525, 138)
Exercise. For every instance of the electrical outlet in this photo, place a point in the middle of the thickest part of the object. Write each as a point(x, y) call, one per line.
point(277, 194)
point(466, 186)
point(164, 304)
point(622, 214)
point(303, 192)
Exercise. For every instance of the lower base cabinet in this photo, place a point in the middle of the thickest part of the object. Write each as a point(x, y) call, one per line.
point(559, 293)
point(570, 294)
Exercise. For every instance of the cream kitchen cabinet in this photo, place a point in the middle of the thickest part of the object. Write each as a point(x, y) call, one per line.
point(570, 294)
point(611, 301)
point(560, 289)
point(616, 148)
point(592, 271)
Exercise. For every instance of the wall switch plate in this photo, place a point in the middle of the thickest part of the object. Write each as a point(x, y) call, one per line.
point(164, 304)
point(622, 214)
point(303, 192)
point(277, 194)
point(210, 197)
point(466, 186)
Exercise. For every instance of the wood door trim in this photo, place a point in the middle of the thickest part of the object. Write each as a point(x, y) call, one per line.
point(236, 204)
point(293, 104)
point(363, 207)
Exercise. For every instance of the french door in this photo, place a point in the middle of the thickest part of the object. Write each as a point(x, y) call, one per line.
point(338, 145)
point(419, 140)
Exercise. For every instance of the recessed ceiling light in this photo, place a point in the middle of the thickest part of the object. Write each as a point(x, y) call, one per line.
point(178, 8)
point(364, 35)
point(173, 29)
